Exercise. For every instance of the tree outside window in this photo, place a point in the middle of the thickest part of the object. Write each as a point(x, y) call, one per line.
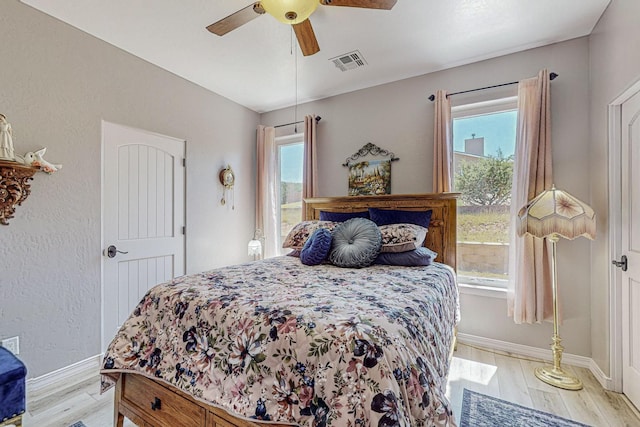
point(484, 145)
point(486, 182)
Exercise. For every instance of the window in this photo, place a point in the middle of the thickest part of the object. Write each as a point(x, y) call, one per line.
point(484, 136)
point(290, 150)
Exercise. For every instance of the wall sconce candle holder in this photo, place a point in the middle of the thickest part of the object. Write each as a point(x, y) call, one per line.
point(227, 179)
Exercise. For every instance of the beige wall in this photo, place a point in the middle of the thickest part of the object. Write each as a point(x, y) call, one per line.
point(399, 117)
point(614, 47)
point(56, 85)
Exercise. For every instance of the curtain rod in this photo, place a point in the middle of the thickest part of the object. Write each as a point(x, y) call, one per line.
point(318, 118)
point(432, 97)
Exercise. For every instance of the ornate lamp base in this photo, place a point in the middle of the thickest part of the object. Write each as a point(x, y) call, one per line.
point(558, 377)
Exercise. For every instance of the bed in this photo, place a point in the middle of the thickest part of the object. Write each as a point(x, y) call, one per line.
point(276, 342)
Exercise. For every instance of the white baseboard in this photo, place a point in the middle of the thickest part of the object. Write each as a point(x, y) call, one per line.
point(538, 353)
point(79, 371)
point(605, 381)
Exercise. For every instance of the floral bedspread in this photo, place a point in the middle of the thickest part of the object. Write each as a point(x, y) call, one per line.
point(276, 340)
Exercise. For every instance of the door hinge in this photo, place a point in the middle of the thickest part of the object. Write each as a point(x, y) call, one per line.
point(184, 230)
point(184, 162)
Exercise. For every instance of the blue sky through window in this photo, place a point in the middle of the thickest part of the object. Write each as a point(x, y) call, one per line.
point(498, 130)
point(291, 162)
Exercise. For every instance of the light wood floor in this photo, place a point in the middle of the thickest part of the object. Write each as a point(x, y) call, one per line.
point(499, 375)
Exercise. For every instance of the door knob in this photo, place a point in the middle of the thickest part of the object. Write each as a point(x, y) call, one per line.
point(112, 251)
point(622, 263)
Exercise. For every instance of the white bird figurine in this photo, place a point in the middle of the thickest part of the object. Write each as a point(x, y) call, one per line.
point(37, 159)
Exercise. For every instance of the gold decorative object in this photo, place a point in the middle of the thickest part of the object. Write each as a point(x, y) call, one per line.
point(14, 187)
point(227, 179)
point(552, 214)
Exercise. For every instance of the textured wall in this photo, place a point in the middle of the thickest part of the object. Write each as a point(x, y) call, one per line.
point(56, 85)
point(399, 117)
point(614, 67)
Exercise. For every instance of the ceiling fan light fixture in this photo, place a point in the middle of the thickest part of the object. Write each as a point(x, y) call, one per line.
point(290, 11)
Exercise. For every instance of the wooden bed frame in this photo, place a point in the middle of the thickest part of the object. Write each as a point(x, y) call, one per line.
point(152, 403)
point(441, 237)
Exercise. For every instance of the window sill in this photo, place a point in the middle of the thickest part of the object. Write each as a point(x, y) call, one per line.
point(483, 291)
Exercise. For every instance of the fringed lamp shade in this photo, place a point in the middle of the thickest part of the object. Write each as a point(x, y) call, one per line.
point(557, 212)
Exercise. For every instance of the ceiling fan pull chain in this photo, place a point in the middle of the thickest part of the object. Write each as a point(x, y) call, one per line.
point(295, 111)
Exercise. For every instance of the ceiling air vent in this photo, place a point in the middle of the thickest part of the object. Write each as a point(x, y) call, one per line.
point(349, 61)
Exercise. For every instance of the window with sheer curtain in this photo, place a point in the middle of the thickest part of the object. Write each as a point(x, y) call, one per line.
point(484, 136)
point(285, 176)
point(290, 156)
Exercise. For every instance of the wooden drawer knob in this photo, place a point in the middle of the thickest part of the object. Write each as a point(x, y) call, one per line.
point(156, 404)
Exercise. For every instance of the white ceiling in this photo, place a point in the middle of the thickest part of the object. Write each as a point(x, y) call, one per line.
point(254, 65)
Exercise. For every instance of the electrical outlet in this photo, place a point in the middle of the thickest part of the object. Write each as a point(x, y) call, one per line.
point(12, 344)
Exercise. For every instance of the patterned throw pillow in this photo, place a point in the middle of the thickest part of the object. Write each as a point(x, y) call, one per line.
point(317, 247)
point(356, 243)
point(402, 237)
point(299, 234)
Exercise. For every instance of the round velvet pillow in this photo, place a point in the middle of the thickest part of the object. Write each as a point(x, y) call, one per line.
point(316, 248)
point(356, 243)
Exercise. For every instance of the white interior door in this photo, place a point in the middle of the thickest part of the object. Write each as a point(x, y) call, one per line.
point(630, 239)
point(143, 218)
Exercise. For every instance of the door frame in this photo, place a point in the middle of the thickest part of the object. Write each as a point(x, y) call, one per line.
point(615, 234)
point(102, 191)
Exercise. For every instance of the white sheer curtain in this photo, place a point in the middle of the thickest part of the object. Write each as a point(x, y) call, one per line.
point(310, 162)
point(266, 201)
point(529, 292)
point(442, 143)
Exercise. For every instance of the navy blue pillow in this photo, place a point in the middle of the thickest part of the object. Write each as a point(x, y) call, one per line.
point(316, 248)
point(342, 216)
point(392, 216)
point(417, 257)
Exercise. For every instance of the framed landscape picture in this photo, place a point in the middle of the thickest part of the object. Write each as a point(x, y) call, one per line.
point(372, 177)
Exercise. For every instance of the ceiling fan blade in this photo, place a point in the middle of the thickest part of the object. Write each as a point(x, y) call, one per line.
point(236, 20)
point(306, 38)
point(367, 4)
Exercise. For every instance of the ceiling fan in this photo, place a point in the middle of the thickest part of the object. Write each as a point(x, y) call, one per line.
point(293, 12)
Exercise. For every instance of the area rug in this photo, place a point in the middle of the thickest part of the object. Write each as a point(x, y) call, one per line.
point(479, 410)
point(78, 424)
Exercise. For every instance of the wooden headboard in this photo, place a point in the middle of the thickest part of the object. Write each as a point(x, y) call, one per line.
point(441, 237)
